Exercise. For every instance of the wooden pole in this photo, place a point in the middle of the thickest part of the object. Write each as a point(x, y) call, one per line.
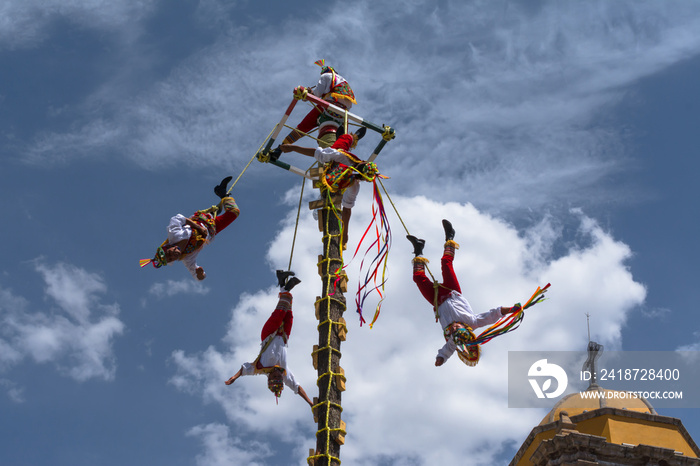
point(330, 307)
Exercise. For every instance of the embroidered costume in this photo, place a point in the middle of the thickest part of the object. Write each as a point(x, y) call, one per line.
point(187, 236)
point(272, 359)
point(179, 230)
point(332, 88)
point(338, 174)
point(452, 309)
point(452, 306)
point(273, 348)
point(343, 169)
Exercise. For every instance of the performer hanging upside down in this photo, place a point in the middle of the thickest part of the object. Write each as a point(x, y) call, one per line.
point(272, 359)
point(332, 88)
point(343, 170)
point(187, 236)
point(451, 308)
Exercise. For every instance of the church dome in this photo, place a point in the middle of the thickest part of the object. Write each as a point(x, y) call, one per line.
point(576, 403)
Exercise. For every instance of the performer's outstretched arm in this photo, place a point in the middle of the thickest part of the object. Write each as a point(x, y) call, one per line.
point(303, 394)
point(235, 377)
point(510, 310)
point(308, 151)
point(445, 352)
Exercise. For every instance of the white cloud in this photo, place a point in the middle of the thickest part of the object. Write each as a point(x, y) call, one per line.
point(72, 288)
point(25, 23)
point(391, 367)
point(690, 351)
point(515, 99)
point(174, 287)
point(77, 336)
point(14, 392)
point(220, 449)
point(658, 313)
point(92, 137)
point(690, 348)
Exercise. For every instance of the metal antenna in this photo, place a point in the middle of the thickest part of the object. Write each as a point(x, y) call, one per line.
point(594, 352)
point(588, 324)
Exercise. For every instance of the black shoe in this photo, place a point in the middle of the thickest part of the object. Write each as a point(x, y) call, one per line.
point(291, 283)
point(282, 277)
point(361, 133)
point(275, 154)
point(449, 231)
point(418, 244)
point(221, 189)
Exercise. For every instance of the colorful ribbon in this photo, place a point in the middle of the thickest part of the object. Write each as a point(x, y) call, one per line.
point(509, 322)
point(381, 244)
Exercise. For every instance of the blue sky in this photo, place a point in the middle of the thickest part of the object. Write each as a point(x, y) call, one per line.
point(559, 138)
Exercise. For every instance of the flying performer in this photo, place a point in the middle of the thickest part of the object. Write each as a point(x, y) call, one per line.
point(452, 309)
point(272, 359)
point(188, 235)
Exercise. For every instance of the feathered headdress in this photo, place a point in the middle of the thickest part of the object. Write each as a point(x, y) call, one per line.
point(158, 260)
point(324, 68)
point(275, 385)
point(468, 353)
